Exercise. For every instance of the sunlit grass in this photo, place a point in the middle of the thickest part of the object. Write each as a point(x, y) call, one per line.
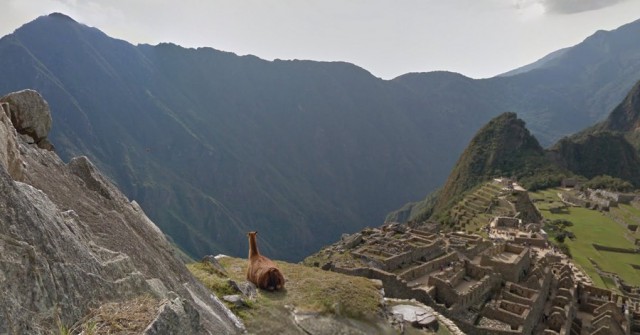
point(595, 227)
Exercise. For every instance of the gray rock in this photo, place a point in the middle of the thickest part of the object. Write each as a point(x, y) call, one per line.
point(317, 324)
point(234, 299)
point(352, 241)
point(400, 228)
point(417, 316)
point(213, 262)
point(29, 113)
point(70, 240)
point(83, 168)
point(175, 316)
point(10, 156)
point(247, 289)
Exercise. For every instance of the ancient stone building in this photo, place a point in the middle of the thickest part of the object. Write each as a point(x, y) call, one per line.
point(485, 287)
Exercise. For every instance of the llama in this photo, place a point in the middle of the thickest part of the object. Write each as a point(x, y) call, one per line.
point(262, 271)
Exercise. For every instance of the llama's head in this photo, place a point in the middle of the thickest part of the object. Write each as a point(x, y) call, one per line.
point(252, 234)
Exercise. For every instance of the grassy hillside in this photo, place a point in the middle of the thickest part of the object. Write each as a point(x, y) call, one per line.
point(338, 303)
point(608, 229)
point(503, 147)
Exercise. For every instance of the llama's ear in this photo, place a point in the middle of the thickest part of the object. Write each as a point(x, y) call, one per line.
point(256, 232)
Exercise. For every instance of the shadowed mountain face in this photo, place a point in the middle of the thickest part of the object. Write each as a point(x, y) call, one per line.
point(625, 118)
point(601, 153)
point(213, 145)
point(503, 147)
point(610, 147)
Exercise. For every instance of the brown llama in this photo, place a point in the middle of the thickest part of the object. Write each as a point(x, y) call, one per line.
point(262, 271)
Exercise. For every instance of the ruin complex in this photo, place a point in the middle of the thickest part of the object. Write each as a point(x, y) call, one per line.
point(511, 281)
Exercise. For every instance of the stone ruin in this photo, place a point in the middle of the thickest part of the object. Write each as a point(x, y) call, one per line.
point(598, 199)
point(483, 286)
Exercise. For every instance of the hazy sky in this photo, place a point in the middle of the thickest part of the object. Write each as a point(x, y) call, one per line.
point(478, 38)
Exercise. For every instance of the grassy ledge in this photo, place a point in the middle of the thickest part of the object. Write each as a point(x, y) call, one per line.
point(308, 290)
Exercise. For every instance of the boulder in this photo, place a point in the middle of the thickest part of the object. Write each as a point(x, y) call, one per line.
point(235, 299)
point(417, 316)
point(29, 113)
point(248, 289)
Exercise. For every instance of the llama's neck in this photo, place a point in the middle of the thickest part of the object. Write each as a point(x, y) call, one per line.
point(253, 246)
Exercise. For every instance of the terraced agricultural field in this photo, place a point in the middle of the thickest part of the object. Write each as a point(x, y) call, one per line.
point(589, 227)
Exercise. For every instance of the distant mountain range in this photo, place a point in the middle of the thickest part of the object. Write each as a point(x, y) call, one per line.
point(212, 144)
point(504, 147)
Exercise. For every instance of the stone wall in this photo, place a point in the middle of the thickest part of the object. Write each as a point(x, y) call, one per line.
point(395, 287)
point(422, 249)
point(508, 312)
point(511, 271)
point(421, 270)
point(505, 222)
point(446, 292)
point(617, 197)
point(614, 249)
point(520, 306)
point(534, 241)
point(572, 200)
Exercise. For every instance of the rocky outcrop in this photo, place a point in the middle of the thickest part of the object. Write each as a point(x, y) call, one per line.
point(9, 151)
point(30, 115)
point(70, 242)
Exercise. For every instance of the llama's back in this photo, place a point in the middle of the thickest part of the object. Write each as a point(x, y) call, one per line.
point(265, 273)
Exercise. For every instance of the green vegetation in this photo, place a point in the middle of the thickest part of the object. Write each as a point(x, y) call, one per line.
point(418, 211)
point(608, 183)
point(596, 154)
point(308, 289)
point(591, 227)
point(542, 180)
point(502, 148)
point(625, 118)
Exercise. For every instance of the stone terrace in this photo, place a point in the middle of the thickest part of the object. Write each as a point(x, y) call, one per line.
point(485, 287)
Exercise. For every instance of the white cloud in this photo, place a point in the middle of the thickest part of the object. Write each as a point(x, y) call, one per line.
point(565, 6)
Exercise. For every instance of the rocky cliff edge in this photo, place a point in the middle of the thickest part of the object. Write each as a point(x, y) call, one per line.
point(71, 244)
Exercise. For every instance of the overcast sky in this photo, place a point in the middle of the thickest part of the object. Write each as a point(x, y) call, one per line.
point(478, 38)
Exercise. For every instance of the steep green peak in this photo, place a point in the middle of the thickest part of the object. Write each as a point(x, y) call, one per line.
point(503, 147)
point(504, 135)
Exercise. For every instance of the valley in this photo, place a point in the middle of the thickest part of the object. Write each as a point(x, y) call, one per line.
point(430, 203)
point(212, 144)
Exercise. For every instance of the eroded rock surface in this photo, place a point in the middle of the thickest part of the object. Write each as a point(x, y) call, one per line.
point(30, 115)
point(71, 241)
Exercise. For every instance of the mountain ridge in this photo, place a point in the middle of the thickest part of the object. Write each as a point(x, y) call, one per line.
point(212, 144)
point(505, 148)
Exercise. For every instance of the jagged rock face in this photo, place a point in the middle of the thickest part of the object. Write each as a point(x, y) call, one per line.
point(9, 153)
point(71, 241)
point(30, 115)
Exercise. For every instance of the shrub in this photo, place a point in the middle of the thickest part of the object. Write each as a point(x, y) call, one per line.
point(565, 249)
point(608, 183)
